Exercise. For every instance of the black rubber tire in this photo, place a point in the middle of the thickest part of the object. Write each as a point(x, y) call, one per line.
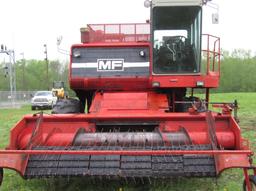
point(64, 106)
point(1, 175)
point(252, 179)
point(33, 108)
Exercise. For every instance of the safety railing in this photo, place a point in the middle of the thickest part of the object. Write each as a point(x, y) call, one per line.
point(116, 33)
point(211, 52)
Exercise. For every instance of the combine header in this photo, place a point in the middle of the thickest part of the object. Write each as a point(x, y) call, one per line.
point(137, 117)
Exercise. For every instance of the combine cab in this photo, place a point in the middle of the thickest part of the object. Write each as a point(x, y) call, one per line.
point(139, 117)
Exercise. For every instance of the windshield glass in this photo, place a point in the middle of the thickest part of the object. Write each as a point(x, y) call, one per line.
point(160, 35)
point(177, 40)
point(43, 93)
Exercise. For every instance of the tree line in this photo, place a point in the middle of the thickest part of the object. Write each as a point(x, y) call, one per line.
point(238, 70)
point(32, 74)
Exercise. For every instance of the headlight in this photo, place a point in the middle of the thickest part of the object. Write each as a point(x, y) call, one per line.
point(76, 53)
point(142, 53)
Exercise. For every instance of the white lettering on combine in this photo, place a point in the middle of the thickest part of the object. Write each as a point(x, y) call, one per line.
point(110, 64)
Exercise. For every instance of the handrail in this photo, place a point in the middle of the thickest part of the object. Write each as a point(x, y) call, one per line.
point(133, 32)
point(212, 52)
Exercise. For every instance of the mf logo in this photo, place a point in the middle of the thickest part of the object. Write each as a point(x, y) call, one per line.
point(110, 64)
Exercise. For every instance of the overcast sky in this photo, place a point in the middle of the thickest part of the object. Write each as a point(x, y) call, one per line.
point(26, 25)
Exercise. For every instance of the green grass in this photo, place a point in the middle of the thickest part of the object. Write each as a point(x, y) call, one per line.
point(230, 180)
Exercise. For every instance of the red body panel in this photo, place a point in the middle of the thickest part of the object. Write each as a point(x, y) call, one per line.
point(189, 81)
point(121, 83)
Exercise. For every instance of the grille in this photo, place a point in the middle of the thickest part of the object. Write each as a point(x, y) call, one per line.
point(40, 100)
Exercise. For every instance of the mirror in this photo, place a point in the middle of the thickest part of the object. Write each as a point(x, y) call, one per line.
point(215, 18)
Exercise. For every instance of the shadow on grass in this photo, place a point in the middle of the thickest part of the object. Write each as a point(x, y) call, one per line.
point(95, 184)
point(173, 184)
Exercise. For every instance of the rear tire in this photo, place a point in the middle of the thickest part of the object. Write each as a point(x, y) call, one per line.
point(64, 106)
point(252, 179)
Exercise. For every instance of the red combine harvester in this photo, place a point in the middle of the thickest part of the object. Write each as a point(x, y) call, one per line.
point(135, 117)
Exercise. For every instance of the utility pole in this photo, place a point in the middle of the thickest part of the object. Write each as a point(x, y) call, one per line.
point(47, 67)
point(12, 72)
point(23, 71)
